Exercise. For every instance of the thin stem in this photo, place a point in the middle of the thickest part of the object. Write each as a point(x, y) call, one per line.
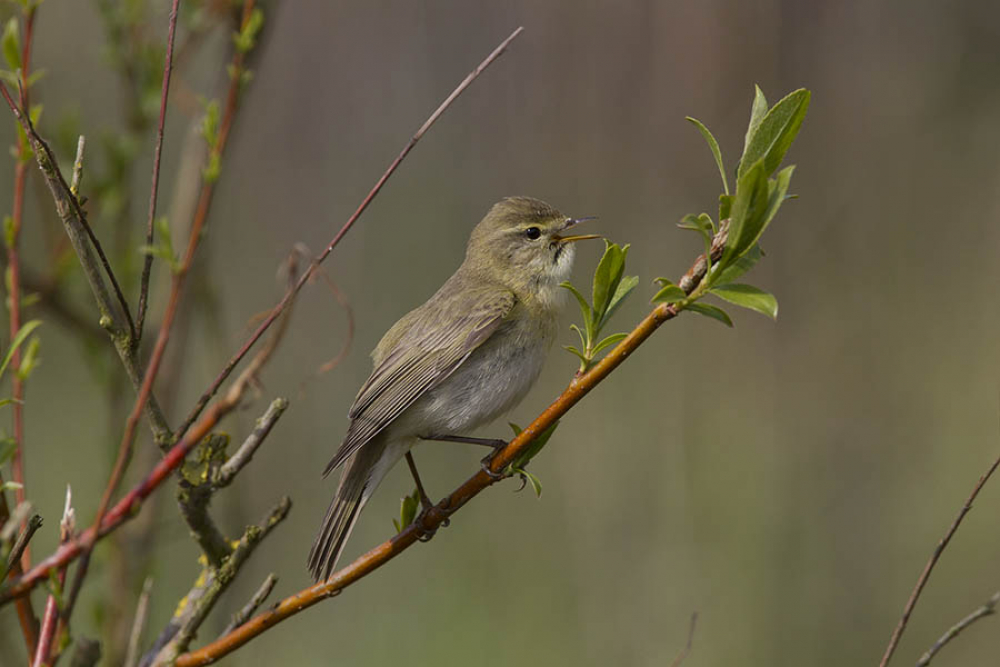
point(433, 517)
point(985, 610)
point(14, 274)
point(290, 296)
point(154, 188)
point(897, 633)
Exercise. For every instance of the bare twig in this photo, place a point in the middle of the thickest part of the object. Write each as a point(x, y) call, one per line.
point(13, 236)
point(9, 522)
point(432, 518)
point(985, 610)
point(85, 243)
point(197, 604)
point(690, 642)
point(50, 620)
point(245, 612)
point(147, 265)
point(132, 656)
point(34, 523)
point(290, 296)
point(242, 456)
point(897, 633)
point(74, 184)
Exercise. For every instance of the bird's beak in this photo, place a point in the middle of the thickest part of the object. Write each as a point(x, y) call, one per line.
point(573, 222)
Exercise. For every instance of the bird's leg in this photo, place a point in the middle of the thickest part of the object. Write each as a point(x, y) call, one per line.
point(496, 443)
point(425, 501)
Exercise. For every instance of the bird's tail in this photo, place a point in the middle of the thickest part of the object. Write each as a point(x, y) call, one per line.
point(362, 473)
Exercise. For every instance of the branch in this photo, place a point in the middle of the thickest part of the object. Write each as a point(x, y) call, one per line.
point(147, 265)
point(84, 243)
point(13, 274)
point(897, 633)
point(132, 655)
point(690, 642)
point(240, 617)
point(431, 519)
point(34, 523)
point(197, 604)
point(290, 296)
point(987, 609)
point(242, 456)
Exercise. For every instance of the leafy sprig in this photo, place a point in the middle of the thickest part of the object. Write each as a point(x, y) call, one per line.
point(611, 287)
point(748, 211)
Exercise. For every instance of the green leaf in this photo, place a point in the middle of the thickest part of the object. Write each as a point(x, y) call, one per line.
point(670, 293)
point(584, 306)
point(584, 359)
point(711, 311)
point(247, 36)
point(11, 485)
point(625, 287)
point(536, 446)
point(11, 44)
point(776, 132)
point(8, 401)
point(7, 448)
point(613, 339)
point(743, 263)
point(748, 296)
point(713, 145)
point(757, 112)
point(30, 360)
point(606, 279)
point(749, 211)
point(536, 484)
point(725, 206)
point(407, 511)
point(19, 338)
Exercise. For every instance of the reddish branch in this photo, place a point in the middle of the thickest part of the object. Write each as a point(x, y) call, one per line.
point(432, 518)
point(276, 311)
point(14, 272)
point(897, 633)
point(25, 613)
point(154, 188)
point(163, 337)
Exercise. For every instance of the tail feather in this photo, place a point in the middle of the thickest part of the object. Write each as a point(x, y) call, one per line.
point(339, 520)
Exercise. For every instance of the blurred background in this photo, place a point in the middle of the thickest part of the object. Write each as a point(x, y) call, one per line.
point(786, 480)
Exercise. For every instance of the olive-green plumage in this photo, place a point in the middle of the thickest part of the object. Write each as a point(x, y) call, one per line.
point(463, 358)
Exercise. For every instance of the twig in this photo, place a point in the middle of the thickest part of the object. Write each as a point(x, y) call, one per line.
point(240, 617)
point(162, 338)
point(74, 184)
point(198, 603)
point(690, 642)
point(154, 188)
point(13, 237)
point(987, 609)
point(85, 243)
point(433, 517)
point(9, 521)
point(132, 656)
point(242, 456)
point(897, 633)
point(50, 620)
point(290, 296)
point(34, 523)
point(129, 505)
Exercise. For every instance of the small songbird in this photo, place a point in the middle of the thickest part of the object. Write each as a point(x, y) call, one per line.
point(462, 359)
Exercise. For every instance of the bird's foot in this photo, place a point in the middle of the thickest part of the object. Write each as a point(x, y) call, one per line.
point(426, 534)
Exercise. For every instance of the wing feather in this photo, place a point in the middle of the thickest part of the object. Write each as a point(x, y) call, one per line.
point(422, 356)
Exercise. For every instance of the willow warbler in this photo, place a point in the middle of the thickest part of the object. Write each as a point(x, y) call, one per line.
point(463, 358)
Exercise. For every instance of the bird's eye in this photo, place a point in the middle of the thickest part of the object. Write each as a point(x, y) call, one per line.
point(532, 233)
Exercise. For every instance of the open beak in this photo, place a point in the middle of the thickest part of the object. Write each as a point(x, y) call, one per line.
point(571, 223)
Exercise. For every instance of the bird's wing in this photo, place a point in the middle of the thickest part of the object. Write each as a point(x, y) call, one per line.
point(424, 355)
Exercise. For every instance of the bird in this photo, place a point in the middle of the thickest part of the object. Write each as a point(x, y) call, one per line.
point(468, 355)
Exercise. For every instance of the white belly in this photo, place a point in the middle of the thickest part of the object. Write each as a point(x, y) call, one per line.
point(493, 380)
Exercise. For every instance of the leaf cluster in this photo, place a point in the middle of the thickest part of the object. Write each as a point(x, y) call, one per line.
point(611, 287)
point(747, 212)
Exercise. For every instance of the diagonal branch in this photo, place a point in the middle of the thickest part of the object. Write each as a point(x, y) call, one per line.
point(290, 296)
point(117, 324)
point(987, 609)
point(147, 265)
point(897, 633)
point(432, 518)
